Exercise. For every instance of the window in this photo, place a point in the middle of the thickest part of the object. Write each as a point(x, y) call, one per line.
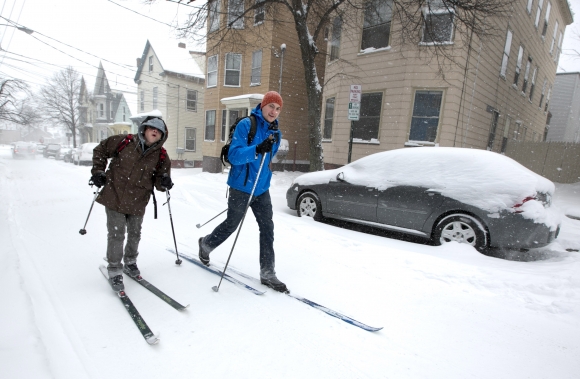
point(212, 66)
point(540, 5)
point(425, 119)
point(527, 74)
point(506, 53)
point(190, 139)
point(328, 117)
point(554, 38)
point(256, 68)
point(335, 38)
point(112, 115)
point(506, 134)
point(529, 7)
point(235, 12)
point(225, 128)
point(214, 15)
point(437, 23)
point(259, 13)
point(367, 127)
point(548, 100)
point(191, 100)
point(546, 19)
point(101, 110)
point(150, 63)
point(517, 134)
point(543, 92)
point(210, 125)
point(558, 50)
point(155, 93)
point(492, 129)
point(519, 65)
point(233, 69)
point(533, 82)
point(377, 24)
point(142, 101)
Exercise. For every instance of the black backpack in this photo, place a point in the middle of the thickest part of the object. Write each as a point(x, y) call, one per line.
point(251, 134)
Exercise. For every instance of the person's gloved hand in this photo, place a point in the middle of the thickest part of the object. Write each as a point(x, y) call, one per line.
point(166, 182)
point(265, 146)
point(99, 179)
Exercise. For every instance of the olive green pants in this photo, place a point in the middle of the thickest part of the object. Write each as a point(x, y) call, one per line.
point(117, 225)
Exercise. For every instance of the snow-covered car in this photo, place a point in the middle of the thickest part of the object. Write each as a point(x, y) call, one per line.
point(62, 153)
point(84, 153)
point(444, 194)
point(25, 150)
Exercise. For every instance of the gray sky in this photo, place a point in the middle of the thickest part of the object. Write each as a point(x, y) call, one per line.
point(116, 36)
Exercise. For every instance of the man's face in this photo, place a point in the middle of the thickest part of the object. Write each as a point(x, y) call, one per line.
point(152, 135)
point(271, 111)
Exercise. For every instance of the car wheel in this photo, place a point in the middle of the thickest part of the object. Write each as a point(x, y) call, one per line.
point(463, 229)
point(308, 205)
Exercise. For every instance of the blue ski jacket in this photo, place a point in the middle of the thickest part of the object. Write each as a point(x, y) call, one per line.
point(243, 158)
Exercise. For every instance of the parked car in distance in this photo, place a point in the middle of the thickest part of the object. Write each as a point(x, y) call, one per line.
point(62, 152)
point(67, 156)
point(51, 150)
point(444, 194)
point(40, 148)
point(84, 153)
point(25, 150)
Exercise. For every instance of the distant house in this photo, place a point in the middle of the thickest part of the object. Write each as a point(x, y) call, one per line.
point(170, 82)
point(103, 113)
point(565, 109)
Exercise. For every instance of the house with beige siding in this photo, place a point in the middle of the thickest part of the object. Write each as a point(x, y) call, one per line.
point(239, 73)
point(499, 91)
point(170, 84)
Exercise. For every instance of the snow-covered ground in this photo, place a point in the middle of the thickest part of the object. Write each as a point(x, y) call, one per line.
point(447, 312)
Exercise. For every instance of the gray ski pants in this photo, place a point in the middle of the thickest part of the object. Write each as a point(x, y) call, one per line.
point(117, 224)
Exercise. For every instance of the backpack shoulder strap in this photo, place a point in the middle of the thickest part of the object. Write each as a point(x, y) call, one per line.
point(162, 157)
point(253, 128)
point(123, 144)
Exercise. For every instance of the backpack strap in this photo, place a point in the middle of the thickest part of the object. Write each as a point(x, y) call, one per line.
point(251, 135)
point(253, 127)
point(123, 144)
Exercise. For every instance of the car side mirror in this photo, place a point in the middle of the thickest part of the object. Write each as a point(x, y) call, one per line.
point(340, 177)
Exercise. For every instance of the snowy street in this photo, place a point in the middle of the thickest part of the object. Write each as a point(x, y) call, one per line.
point(446, 312)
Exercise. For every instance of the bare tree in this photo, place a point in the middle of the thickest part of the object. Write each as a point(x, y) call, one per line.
point(11, 103)
point(472, 19)
point(60, 99)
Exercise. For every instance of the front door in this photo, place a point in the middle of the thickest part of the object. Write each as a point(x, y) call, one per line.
point(351, 201)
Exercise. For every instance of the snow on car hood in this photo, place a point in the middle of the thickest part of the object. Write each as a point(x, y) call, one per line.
point(481, 178)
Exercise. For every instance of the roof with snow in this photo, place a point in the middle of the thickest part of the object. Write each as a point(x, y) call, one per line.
point(173, 59)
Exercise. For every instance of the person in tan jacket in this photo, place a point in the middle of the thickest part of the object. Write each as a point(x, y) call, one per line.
point(137, 165)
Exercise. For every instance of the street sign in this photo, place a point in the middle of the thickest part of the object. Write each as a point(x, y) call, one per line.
point(354, 98)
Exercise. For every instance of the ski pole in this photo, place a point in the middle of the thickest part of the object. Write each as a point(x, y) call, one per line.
point(217, 288)
point(83, 231)
point(178, 261)
point(199, 226)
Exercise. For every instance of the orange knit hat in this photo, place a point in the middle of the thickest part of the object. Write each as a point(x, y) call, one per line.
point(272, 97)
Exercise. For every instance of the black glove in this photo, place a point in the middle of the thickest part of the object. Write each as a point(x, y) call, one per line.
point(99, 179)
point(166, 182)
point(265, 146)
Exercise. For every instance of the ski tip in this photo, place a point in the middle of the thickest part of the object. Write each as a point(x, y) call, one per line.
point(152, 340)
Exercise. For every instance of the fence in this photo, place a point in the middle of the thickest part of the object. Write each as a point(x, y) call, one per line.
point(557, 161)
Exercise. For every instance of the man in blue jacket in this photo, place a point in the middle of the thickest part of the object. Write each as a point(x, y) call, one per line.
point(245, 160)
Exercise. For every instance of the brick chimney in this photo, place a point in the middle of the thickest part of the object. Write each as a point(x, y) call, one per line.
point(181, 44)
